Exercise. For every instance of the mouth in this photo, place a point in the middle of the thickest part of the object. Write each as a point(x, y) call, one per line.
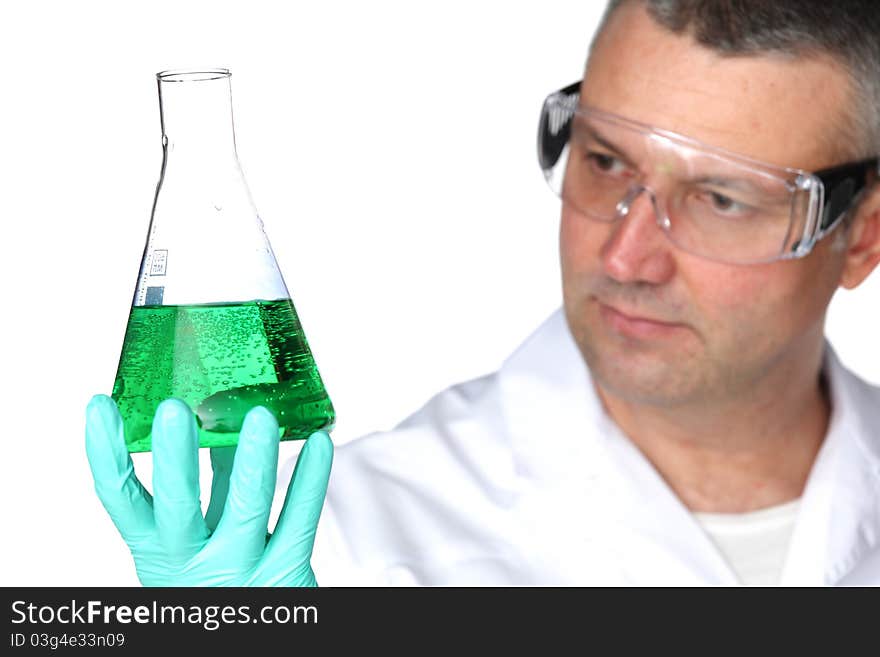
point(639, 327)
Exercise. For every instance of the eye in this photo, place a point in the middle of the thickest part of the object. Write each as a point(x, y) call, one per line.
point(607, 164)
point(723, 204)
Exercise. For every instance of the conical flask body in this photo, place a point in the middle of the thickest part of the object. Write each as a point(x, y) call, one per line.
point(211, 322)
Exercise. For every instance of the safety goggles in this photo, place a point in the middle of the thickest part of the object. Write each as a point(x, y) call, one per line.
point(709, 202)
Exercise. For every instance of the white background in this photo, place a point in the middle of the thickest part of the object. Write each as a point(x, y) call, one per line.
point(390, 150)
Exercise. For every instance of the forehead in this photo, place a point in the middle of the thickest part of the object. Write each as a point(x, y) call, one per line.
point(782, 110)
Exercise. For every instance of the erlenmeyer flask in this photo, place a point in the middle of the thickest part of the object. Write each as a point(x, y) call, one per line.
point(212, 322)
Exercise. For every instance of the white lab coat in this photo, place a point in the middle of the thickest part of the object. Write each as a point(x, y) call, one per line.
point(520, 478)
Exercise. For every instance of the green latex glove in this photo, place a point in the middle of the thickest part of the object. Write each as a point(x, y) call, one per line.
point(171, 542)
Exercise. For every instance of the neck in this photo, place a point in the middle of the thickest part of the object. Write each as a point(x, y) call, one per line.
point(735, 455)
point(196, 111)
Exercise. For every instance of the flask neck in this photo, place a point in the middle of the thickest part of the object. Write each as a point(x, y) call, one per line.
point(196, 113)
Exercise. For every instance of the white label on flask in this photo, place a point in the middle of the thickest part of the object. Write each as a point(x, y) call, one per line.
point(159, 262)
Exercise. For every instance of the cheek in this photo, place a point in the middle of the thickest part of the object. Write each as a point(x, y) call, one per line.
point(577, 259)
point(579, 243)
point(758, 305)
point(732, 301)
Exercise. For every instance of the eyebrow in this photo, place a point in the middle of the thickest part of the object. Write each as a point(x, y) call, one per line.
point(726, 183)
point(734, 184)
point(590, 131)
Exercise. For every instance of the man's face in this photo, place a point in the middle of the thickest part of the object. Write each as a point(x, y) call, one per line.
point(660, 326)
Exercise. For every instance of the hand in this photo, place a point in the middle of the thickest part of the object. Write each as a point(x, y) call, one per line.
point(171, 542)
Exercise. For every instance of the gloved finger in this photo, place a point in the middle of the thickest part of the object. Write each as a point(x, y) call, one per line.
point(294, 536)
point(176, 507)
point(252, 484)
point(123, 496)
point(221, 465)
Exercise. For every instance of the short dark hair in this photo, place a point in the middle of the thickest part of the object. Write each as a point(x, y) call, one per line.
point(847, 31)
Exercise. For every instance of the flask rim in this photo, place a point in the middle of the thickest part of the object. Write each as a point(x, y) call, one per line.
point(192, 74)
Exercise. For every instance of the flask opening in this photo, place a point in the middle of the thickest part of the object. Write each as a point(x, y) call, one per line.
point(192, 75)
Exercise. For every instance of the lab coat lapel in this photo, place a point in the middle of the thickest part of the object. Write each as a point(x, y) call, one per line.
point(546, 415)
point(667, 546)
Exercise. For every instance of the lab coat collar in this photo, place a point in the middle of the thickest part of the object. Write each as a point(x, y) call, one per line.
point(839, 523)
point(568, 450)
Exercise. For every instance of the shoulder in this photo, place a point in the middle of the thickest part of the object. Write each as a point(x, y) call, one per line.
point(463, 413)
point(433, 489)
point(457, 436)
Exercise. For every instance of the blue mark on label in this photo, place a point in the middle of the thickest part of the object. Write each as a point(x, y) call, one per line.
point(154, 296)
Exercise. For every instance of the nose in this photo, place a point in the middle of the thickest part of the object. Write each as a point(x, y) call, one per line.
point(636, 249)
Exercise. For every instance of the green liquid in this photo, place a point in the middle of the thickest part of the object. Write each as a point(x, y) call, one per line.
point(222, 360)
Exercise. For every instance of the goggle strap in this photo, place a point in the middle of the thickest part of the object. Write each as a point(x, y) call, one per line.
point(555, 128)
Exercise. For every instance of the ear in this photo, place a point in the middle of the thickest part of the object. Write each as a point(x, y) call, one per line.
point(863, 241)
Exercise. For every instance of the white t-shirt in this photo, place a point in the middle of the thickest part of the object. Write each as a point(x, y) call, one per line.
point(755, 543)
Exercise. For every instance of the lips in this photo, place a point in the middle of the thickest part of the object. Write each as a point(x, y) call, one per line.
point(633, 325)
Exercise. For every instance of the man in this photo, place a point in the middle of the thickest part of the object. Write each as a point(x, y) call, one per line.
point(682, 420)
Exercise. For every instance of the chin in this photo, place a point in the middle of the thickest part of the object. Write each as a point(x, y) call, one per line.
point(638, 379)
point(639, 373)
